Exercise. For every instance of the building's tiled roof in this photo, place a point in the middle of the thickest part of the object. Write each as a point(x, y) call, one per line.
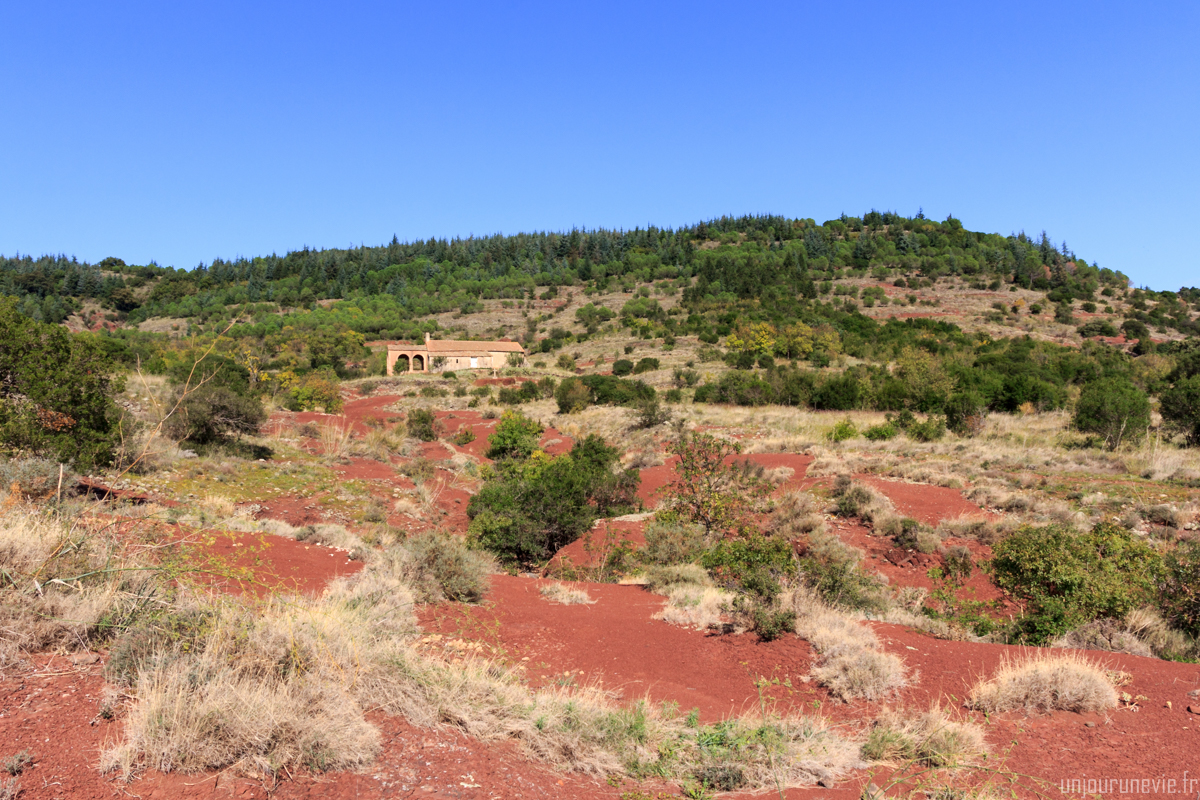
point(445, 346)
point(458, 347)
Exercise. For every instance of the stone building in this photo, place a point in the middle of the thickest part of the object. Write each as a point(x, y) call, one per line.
point(449, 354)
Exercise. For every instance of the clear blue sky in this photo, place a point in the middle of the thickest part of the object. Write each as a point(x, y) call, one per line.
point(185, 131)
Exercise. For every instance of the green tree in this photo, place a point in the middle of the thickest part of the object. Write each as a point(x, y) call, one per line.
point(709, 488)
point(1180, 407)
point(1115, 409)
point(516, 436)
point(55, 392)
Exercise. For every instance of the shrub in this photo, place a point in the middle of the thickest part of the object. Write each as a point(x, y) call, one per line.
point(316, 389)
point(572, 395)
point(1069, 579)
point(55, 399)
point(464, 435)
point(516, 436)
point(842, 431)
point(644, 365)
point(852, 497)
point(1115, 409)
point(439, 566)
point(931, 430)
point(673, 396)
point(1180, 407)
point(422, 425)
point(622, 366)
point(650, 414)
point(530, 508)
point(33, 478)
point(881, 433)
point(212, 413)
point(755, 563)
point(565, 362)
point(932, 738)
point(1045, 682)
point(834, 570)
point(670, 540)
point(1179, 587)
point(965, 413)
point(1096, 327)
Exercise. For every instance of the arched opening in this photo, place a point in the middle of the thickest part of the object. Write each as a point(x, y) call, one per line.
point(401, 364)
point(418, 363)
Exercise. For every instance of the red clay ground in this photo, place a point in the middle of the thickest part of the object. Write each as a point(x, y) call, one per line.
point(261, 563)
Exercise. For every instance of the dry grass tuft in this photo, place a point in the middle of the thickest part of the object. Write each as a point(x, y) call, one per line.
point(1143, 632)
point(932, 738)
point(1046, 682)
point(852, 664)
point(335, 439)
point(566, 595)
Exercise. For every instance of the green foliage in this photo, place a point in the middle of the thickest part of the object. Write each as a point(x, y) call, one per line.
point(671, 540)
point(1070, 578)
point(834, 570)
point(1180, 408)
point(572, 395)
point(755, 563)
point(1179, 587)
point(842, 431)
point(707, 490)
point(643, 365)
point(464, 435)
point(422, 425)
point(965, 413)
point(527, 509)
point(931, 430)
point(213, 413)
point(516, 436)
point(55, 393)
point(314, 390)
point(651, 414)
point(881, 433)
point(1114, 409)
point(622, 367)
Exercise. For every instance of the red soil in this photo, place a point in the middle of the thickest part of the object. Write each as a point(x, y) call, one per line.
point(615, 643)
point(593, 547)
point(924, 503)
point(261, 563)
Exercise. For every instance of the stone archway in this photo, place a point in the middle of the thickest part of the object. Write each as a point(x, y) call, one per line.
point(402, 364)
point(418, 363)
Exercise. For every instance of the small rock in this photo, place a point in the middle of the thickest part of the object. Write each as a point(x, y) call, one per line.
point(1194, 709)
point(1168, 704)
point(1089, 724)
point(80, 659)
point(826, 783)
point(1194, 693)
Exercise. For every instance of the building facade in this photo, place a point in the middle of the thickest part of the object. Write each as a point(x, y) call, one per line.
point(437, 355)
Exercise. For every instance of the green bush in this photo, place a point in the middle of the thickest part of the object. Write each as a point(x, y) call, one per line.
point(671, 540)
point(965, 413)
point(644, 365)
point(622, 366)
point(1070, 578)
point(422, 424)
point(650, 414)
point(842, 431)
point(673, 396)
point(756, 563)
point(1180, 408)
point(1179, 587)
point(516, 436)
point(527, 509)
point(213, 413)
point(464, 436)
point(833, 569)
point(1114, 409)
point(55, 392)
point(572, 395)
point(931, 430)
point(881, 433)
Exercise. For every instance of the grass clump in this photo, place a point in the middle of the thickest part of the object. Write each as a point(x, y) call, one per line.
point(932, 738)
point(1046, 682)
point(439, 566)
point(565, 595)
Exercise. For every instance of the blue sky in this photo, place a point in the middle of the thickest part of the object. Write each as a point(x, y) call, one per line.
point(180, 131)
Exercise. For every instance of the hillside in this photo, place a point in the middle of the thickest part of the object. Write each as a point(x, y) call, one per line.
point(875, 508)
